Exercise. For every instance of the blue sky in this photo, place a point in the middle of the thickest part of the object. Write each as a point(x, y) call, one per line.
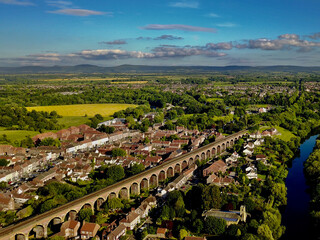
point(159, 32)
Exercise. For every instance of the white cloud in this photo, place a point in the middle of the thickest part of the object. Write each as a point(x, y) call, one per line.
point(79, 12)
point(226, 24)
point(178, 27)
point(185, 4)
point(212, 15)
point(17, 2)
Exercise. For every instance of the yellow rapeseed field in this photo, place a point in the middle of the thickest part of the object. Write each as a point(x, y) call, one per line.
point(83, 109)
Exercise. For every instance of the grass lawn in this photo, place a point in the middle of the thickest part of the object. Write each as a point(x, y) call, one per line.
point(262, 177)
point(285, 134)
point(18, 134)
point(80, 110)
point(227, 118)
point(214, 99)
point(69, 121)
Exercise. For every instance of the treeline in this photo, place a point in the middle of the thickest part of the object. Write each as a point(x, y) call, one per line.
point(18, 118)
point(312, 173)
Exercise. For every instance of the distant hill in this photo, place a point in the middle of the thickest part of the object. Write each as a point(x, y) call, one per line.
point(86, 68)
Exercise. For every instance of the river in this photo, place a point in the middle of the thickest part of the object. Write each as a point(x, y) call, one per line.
point(296, 217)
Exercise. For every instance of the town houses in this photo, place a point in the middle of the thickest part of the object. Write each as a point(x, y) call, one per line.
point(83, 149)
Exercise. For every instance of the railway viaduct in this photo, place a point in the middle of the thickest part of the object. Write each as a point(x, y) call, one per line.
point(133, 185)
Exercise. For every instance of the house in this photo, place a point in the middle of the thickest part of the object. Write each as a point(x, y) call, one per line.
point(195, 238)
point(255, 135)
point(266, 133)
point(257, 143)
point(262, 110)
point(249, 145)
point(218, 166)
point(69, 229)
point(273, 131)
point(89, 230)
point(233, 158)
point(251, 172)
point(219, 181)
point(143, 210)
point(261, 157)
point(161, 232)
point(248, 152)
point(6, 202)
point(131, 220)
point(117, 233)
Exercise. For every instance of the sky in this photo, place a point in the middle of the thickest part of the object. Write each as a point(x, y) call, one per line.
point(160, 32)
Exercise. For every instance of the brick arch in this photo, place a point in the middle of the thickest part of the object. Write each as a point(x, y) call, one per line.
point(135, 188)
point(231, 142)
point(170, 172)
point(98, 203)
point(203, 156)
point(223, 147)
point(38, 231)
point(184, 164)
point(191, 161)
point(55, 225)
point(214, 151)
point(71, 215)
point(153, 181)
point(162, 176)
point(112, 195)
point(124, 193)
point(208, 155)
point(197, 157)
point(218, 149)
point(177, 168)
point(20, 236)
point(144, 184)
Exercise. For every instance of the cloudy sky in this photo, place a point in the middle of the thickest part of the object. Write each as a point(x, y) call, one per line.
point(160, 32)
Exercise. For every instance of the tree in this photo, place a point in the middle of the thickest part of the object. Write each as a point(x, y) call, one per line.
point(279, 191)
point(118, 152)
point(4, 162)
point(115, 172)
point(264, 232)
point(99, 117)
point(114, 203)
point(135, 169)
point(50, 142)
point(165, 213)
point(215, 226)
point(85, 214)
point(197, 225)
point(183, 233)
point(211, 197)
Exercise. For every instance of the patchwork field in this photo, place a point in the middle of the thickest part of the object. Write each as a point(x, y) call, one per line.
point(80, 110)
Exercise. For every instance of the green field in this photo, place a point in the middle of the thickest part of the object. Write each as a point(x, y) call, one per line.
point(80, 110)
point(285, 134)
point(14, 135)
point(69, 121)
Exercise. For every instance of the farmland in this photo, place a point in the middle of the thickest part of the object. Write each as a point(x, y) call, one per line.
point(81, 110)
point(72, 115)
